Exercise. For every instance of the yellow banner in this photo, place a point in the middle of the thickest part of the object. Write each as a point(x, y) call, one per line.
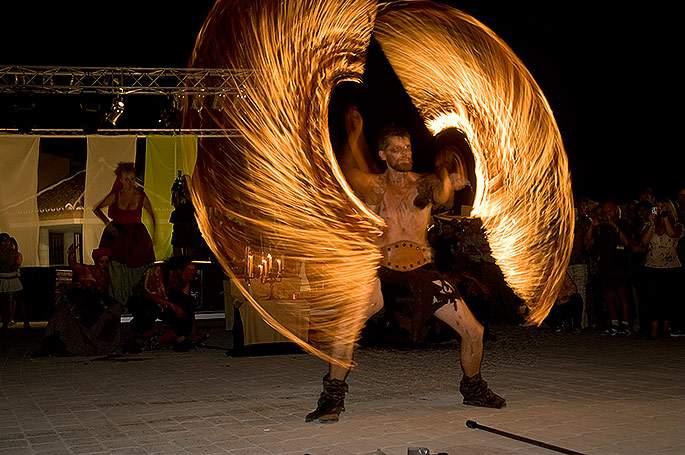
point(164, 156)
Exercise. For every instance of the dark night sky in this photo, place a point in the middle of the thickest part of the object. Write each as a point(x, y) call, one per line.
point(604, 69)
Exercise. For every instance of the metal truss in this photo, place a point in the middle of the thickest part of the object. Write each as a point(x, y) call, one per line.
point(60, 80)
point(75, 132)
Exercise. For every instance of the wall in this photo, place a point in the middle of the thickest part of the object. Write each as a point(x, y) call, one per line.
point(52, 169)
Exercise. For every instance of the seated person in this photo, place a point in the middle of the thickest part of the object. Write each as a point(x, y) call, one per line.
point(87, 320)
point(164, 294)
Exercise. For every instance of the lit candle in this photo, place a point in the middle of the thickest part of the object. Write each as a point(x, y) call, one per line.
point(250, 265)
point(269, 263)
point(278, 265)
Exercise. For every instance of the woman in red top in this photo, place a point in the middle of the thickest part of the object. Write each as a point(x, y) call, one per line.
point(125, 235)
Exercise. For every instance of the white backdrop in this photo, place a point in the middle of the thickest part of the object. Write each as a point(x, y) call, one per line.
point(104, 153)
point(18, 201)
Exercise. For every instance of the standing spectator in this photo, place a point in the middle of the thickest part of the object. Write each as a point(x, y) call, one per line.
point(662, 266)
point(578, 266)
point(681, 206)
point(10, 285)
point(125, 235)
point(640, 222)
point(593, 291)
point(679, 323)
point(185, 237)
point(610, 239)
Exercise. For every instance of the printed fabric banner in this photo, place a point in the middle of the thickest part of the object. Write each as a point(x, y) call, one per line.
point(164, 157)
point(104, 154)
point(18, 200)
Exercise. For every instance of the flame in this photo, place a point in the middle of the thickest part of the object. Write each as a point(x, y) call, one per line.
point(279, 186)
point(459, 74)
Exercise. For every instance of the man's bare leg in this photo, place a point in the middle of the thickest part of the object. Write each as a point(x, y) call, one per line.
point(471, 332)
point(332, 400)
point(473, 387)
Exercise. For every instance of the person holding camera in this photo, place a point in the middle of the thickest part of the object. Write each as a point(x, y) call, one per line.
point(611, 243)
point(662, 266)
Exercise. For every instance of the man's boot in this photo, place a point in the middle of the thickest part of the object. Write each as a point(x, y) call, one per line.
point(477, 393)
point(331, 402)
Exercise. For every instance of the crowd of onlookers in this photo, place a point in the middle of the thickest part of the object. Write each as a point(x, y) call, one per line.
point(626, 271)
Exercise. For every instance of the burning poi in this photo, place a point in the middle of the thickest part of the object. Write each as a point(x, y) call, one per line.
point(277, 192)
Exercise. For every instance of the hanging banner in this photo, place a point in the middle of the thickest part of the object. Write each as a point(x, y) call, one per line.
point(104, 153)
point(18, 189)
point(164, 157)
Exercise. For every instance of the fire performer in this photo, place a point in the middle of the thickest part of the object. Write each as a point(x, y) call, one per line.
point(274, 180)
point(404, 200)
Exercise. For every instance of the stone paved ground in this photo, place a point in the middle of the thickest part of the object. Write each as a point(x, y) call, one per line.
point(592, 394)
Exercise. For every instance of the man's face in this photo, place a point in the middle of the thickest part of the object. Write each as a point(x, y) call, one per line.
point(398, 153)
point(609, 212)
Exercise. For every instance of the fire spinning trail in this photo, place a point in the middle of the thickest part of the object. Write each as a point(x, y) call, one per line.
point(279, 189)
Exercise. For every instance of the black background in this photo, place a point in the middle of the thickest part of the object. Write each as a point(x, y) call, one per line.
point(609, 72)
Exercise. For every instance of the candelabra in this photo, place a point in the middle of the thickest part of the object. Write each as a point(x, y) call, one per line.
point(268, 270)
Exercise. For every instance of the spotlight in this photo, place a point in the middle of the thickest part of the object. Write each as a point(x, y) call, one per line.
point(117, 110)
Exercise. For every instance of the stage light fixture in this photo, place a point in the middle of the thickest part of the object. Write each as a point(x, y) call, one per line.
point(177, 101)
point(218, 101)
point(117, 110)
point(198, 102)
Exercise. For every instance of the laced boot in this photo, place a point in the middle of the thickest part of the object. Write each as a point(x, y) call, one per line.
point(331, 402)
point(477, 393)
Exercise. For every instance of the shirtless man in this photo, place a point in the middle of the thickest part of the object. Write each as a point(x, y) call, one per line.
point(404, 200)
